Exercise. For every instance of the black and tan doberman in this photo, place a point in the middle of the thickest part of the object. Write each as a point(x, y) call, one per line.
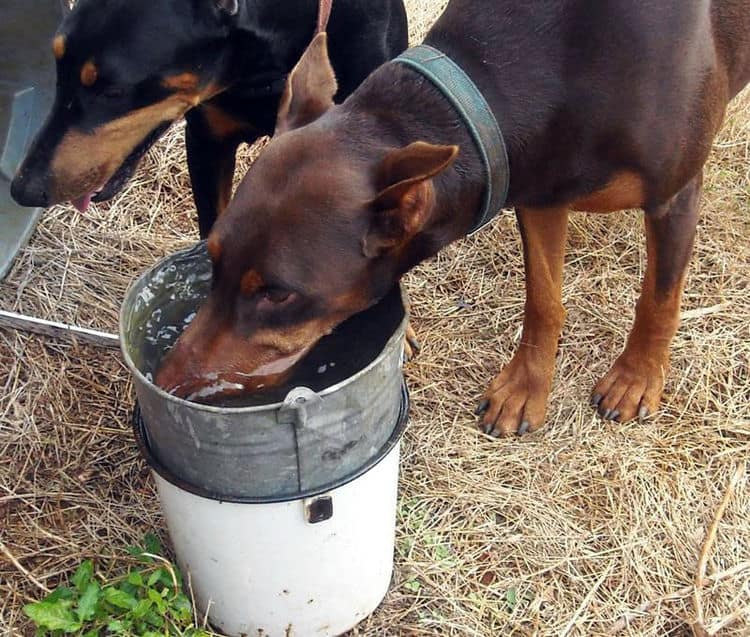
point(127, 69)
point(603, 105)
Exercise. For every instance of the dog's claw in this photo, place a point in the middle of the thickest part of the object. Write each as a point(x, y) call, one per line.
point(635, 381)
point(643, 413)
point(483, 406)
point(408, 352)
point(412, 346)
point(595, 400)
point(415, 344)
point(523, 428)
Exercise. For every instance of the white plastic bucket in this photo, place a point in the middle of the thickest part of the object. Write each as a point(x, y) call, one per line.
point(282, 515)
point(306, 567)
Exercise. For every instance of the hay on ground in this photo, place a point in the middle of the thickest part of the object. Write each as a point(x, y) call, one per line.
point(579, 529)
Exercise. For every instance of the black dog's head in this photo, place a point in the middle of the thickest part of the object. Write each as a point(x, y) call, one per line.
point(126, 69)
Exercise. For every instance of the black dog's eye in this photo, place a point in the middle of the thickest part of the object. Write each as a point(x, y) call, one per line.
point(113, 93)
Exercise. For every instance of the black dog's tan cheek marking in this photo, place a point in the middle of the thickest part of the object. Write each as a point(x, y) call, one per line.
point(187, 87)
point(89, 73)
point(181, 82)
point(89, 159)
point(58, 47)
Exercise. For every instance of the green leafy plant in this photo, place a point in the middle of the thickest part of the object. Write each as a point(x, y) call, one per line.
point(413, 585)
point(147, 601)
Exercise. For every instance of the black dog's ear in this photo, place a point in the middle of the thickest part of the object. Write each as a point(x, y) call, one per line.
point(228, 6)
point(310, 88)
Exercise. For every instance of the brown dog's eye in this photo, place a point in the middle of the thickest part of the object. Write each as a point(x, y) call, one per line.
point(275, 295)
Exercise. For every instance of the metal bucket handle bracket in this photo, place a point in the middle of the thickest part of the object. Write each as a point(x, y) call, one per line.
point(140, 433)
point(300, 406)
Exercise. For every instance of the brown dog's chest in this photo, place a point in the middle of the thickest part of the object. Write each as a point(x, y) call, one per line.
point(625, 190)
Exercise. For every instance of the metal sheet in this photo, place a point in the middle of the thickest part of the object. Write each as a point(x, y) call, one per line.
point(27, 77)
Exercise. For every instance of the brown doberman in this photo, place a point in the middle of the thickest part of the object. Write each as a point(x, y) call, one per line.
point(603, 105)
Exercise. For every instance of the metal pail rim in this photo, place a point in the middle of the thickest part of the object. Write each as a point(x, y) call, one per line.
point(169, 476)
point(400, 330)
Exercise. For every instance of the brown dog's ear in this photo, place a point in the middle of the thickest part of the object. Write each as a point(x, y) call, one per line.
point(403, 205)
point(310, 87)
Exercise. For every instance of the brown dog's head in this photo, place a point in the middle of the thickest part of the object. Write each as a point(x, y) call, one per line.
point(321, 228)
point(126, 69)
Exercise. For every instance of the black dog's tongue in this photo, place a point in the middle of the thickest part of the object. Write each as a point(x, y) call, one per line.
point(82, 203)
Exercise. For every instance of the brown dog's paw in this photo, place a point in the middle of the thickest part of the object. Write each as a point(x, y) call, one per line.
point(411, 343)
point(516, 400)
point(631, 389)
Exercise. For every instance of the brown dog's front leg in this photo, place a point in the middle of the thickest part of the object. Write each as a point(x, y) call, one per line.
point(516, 400)
point(634, 385)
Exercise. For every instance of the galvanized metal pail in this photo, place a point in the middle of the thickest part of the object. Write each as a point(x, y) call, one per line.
point(311, 438)
point(282, 515)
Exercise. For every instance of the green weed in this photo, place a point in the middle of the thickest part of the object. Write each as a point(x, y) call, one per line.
point(147, 601)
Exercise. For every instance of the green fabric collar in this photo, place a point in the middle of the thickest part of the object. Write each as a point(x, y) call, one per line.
point(476, 113)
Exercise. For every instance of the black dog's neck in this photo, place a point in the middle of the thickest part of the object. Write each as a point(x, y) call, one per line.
point(257, 56)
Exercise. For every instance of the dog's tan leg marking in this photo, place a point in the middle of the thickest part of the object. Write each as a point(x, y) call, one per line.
point(411, 343)
point(516, 400)
point(634, 385)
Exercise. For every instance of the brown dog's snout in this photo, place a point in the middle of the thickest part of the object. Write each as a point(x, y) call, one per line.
point(206, 366)
point(174, 376)
point(208, 383)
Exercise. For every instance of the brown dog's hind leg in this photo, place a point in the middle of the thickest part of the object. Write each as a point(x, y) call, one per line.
point(633, 386)
point(516, 400)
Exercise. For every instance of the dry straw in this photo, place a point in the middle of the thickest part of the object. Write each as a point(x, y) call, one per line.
point(585, 528)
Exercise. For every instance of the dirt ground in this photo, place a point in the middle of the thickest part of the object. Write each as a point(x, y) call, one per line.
point(569, 531)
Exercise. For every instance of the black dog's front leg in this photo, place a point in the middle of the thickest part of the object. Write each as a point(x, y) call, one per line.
point(211, 162)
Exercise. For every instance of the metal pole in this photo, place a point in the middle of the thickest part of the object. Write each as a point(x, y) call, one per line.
point(71, 333)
